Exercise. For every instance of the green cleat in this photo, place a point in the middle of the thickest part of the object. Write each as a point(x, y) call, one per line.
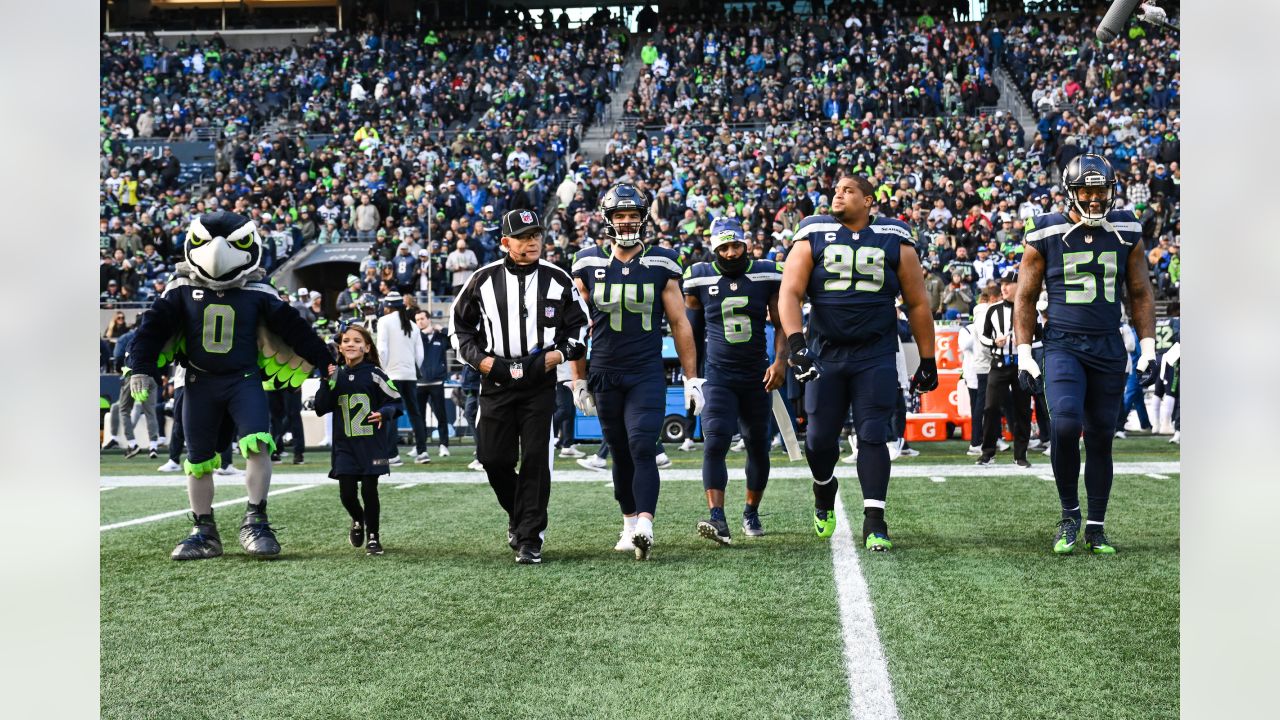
point(878, 542)
point(824, 522)
point(1096, 542)
point(1064, 541)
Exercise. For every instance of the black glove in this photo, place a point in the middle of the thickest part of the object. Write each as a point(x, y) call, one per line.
point(1147, 377)
point(802, 359)
point(500, 373)
point(572, 350)
point(926, 377)
point(1031, 384)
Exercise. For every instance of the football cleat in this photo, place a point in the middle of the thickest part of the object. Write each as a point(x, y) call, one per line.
point(824, 522)
point(528, 555)
point(257, 537)
point(1096, 542)
point(751, 525)
point(875, 535)
point(643, 542)
point(357, 533)
point(663, 461)
point(624, 543)
point(373, 547)
point(202, 543)
point(1064, 541)
point(716, 530)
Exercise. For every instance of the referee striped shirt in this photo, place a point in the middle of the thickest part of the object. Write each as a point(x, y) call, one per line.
point(509, 311)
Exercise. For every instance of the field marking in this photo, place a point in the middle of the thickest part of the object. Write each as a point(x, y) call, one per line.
point(1049, 478)
point(406, 486)
point(870, 691)
point(937, 478)
point(784, 472)
point(177, 513)
point(1157, 476)
point(105, 488)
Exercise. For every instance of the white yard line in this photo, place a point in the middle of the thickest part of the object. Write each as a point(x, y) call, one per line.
point(938, 478)
point(1157, 476)
point(105, 488)
point(778, 472)
point(870, 692)
point(406, 486)
point(177, 513)
point(1048, 478)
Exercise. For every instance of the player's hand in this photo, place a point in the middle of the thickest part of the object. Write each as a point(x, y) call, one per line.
point(693, 394)
point(1029, 377)
point(550, 363)
point(802, 359)
point(375, 417)
point(926, 377)
point(774, 376)
point(139, 388)
point(582, 398)
point(1147, 366)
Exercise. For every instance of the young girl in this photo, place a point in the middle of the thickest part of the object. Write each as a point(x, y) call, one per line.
point(363, 398)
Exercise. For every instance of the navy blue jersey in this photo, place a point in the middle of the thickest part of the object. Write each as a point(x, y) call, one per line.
point(1084, 269)
point(626, 306)
point(735, 309)
point(1167, 332)
point(218, 329)
point(853, 286)
point(359, 447)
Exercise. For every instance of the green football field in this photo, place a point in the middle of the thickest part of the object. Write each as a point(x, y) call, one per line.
point(974, 614)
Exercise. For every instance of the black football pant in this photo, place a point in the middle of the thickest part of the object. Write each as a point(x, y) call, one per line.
point(515, 424)
point(1002, 382)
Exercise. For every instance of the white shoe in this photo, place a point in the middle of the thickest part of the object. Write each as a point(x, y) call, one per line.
point(169, 466)
point(1001, 445)
point(777, 442)
point(396, 461)
point(571, 451)
point(739, 446)
point(910, 452)
point(228, 471)
point(1176, 437)
point(475, 465)
point(895, 449)
point(1034, 444)
point(1048, 447)
point(1120, 435)
point(162, 442)
point(975, 450)
point(853, 456)
point(642, 541)
point(624, 541)
point(1134, 426)
point(421, 458)
point(1165, 429)
point(443, 450)
point(664, 462)
point(687, 445)
point(595, 462)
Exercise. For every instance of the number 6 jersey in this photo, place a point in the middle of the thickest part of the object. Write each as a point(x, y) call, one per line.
point(735, 309)
point(626, 306)
point(1084, 269)
point(853, 286)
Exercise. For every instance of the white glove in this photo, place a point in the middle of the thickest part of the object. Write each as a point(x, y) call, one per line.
point(582, 398)
point(1027, 361)
point(1148, 354)
point(693, 394)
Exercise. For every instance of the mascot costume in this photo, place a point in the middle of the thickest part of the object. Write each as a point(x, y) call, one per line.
point(228, 330)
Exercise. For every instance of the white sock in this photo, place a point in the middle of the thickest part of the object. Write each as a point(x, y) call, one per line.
point(1166, 411)
point(644, 525)
point(629, 523)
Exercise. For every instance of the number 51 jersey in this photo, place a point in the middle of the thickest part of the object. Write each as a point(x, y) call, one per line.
point(1084, 267)
point(626, 306)
point(853, 286)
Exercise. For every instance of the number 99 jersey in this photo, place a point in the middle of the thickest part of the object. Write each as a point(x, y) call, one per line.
point(626, 306)
point(853, 286)
point(1083, 269)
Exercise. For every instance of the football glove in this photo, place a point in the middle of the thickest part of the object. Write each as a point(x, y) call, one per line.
point(1147, 366)
point(140, 387)
point(572, 350)
point(693, 394)
point(582, 398)
point(802, 359)
point(1029, 377)
point(926, 377)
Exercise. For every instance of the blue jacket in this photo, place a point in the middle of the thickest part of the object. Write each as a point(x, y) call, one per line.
point(434, 368)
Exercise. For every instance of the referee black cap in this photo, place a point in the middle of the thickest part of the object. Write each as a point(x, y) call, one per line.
point(519, 222)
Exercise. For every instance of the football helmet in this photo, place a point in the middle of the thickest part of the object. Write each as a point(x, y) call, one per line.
point(222, 248)
point(624, 197)
point(725, 231)
point(1089, 170)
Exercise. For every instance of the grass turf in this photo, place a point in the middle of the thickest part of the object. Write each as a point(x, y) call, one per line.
point(978, 617)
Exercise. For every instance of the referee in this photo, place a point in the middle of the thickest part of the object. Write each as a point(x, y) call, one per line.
point(514, 321)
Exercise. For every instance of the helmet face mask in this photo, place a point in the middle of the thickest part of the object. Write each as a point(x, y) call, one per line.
point(1090, 180)
point(630, 231)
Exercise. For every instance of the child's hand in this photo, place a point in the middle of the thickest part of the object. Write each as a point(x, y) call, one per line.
point(375, 418)
point(332, 369)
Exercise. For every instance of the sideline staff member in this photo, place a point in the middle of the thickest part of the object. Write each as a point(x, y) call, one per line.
point(514, 321)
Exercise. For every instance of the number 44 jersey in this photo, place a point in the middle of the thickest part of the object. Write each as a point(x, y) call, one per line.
point(853, 286)
point(626, 306)
point(736, 309)
point(1084, 268)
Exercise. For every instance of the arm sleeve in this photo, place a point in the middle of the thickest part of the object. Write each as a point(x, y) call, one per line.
point(325, 398)
point(573, 316)
point(464, 324)
point(159, 323)
point(988, 330)
point(284, 320)
point(385, 395)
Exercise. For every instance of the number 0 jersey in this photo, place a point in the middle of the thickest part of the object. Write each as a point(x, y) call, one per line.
point(735, 309)
point(853, 286)
point(1084, 269)
point(626, 306)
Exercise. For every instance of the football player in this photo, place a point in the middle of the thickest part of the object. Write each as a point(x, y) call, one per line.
point(225, 328)
point(1085, 258)
point(852, 264)
point(630, 287)
point(734, 293)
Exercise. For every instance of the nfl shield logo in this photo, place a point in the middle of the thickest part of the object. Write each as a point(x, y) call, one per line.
point(526, 216)
point(550, 312)
point(517, 371)
point(733, 286)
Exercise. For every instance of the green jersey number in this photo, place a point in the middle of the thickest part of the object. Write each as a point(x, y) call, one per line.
point(842, 260)
point(1086, 290)
point(737, 328)
point(355, 408)
point(219, 328)
point(1164, 337)
point(619, 298)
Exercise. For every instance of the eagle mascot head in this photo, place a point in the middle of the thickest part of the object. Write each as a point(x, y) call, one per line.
point(222, 250)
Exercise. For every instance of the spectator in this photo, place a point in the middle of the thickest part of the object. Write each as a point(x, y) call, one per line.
point(461, 264)
point(957, 298)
